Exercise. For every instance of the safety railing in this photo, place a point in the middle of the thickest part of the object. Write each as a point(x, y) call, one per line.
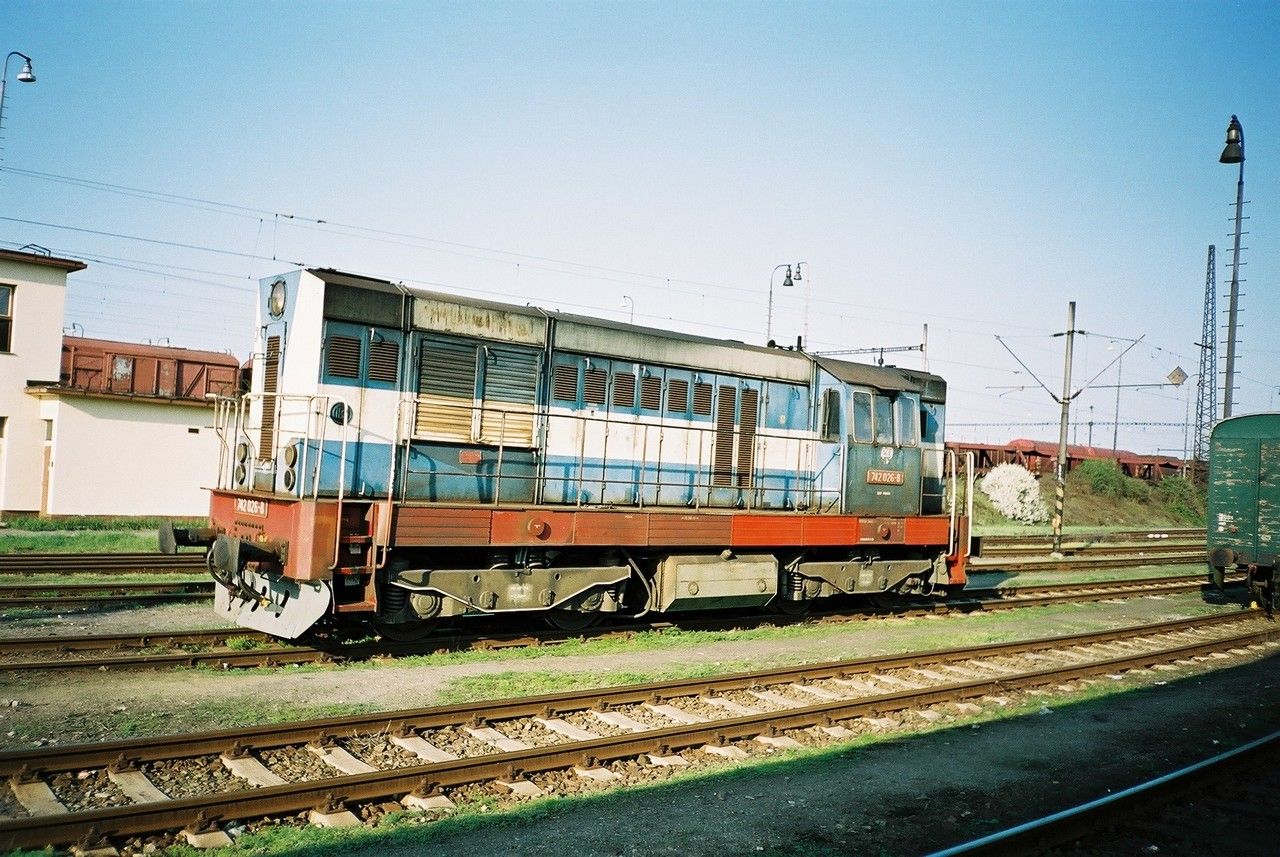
point(651, 454)
point(303, 429)
point(953, 534)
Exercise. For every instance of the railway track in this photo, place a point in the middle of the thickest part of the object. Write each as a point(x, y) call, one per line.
point(1129, 541)
point(63, 595)
point(100, 563)
point(425, 757)
point(87, 651)
point(109, 593)
point(1183, 811)
point(1045, 543)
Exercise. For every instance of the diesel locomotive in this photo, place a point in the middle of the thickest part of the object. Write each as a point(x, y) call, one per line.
point(1243, 507)
point(407, 458)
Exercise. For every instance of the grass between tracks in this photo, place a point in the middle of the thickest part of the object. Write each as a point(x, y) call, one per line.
point(410, 832)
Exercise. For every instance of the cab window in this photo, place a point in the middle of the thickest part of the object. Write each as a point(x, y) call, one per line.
point(907, 423)
point(884, 421)
point(862, 417)
point(830, 415)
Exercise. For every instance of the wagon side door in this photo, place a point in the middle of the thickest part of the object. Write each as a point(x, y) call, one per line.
point(1269, 502)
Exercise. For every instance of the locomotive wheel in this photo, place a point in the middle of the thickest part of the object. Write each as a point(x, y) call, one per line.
point(571, 620)
point(787, 607)
point(404, 632)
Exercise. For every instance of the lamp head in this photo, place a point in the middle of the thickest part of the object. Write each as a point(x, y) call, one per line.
point(26, 75)
point(1233, 152)
point(798, 272)
point(787, 281)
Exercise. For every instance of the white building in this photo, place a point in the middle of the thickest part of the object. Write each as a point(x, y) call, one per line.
point(32, 296)
point(94, 427)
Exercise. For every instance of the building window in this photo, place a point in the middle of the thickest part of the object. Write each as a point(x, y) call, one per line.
point(6, 317)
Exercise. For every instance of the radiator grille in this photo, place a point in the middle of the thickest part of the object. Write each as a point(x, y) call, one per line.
point(446, 390)
point(747, 436)
point(651, 393)
point(702, 400)
point(343, 357)
point(384, 361)
point(593, 387)
point(510, 391)
point(624, 391)
point(722, 461)
point(564, 385)
point(270, 384)
point(677, 396)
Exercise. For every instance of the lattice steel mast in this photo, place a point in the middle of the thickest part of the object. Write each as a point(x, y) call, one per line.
point(1207, 383)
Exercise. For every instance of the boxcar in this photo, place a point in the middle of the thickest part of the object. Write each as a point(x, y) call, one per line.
point(1244, 500)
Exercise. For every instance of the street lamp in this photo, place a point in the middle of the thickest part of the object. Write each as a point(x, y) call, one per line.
point(788, 283)
point(1233, 153)
point(804, 335)
point(630, 304)
point(24, 76)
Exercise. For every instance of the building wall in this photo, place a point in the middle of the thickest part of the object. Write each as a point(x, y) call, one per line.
point(130, 457)
point(35, 354)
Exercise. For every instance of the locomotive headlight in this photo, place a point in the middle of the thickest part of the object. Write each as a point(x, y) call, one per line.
point(276, 299)
point(241, 473)
point(290, 455)
point(242, 452)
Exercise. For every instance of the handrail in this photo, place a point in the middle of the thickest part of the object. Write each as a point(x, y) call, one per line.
point(968, 496)
point(951, 526)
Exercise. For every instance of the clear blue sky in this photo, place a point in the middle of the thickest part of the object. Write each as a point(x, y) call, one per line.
point(972, 166)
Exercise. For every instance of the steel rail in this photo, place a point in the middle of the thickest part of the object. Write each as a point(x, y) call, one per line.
point(1018, 565)
point(1088, 549)
point(104, 563)
point(1080, 821)
point(58, 595)
point(278, 655)
point(193, 812)
point(1152, 535)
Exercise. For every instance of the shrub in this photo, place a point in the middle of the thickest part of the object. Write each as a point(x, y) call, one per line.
point(1015, 493)
point(1182, 499)
point(1105, 478)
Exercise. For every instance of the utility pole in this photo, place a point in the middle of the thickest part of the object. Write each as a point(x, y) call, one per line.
point(1207, 381)
point(1233, 153)
point(1060, 494)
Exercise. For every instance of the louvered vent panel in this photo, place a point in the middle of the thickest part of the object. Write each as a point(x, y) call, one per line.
point(384, 361)
point(510, 390)
point(624, 391)
point(677, 396)
point(651, 393)
point(702, 400)
point(343, 357)
point(270, 385)
point(564, 386)
point(747, 436)
point(593, 387)
point(446, 390)
point(722, 462)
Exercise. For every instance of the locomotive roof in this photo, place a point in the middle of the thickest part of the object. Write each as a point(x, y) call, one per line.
point(768, 362)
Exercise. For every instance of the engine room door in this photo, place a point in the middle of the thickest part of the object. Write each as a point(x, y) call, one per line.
point(883, 475)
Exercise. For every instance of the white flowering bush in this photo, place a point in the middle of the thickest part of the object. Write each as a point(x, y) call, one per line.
point(1015, 493)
